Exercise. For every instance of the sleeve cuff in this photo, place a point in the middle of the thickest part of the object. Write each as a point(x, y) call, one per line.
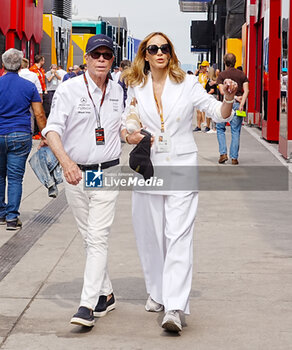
point(219, 118)
point(51, 128)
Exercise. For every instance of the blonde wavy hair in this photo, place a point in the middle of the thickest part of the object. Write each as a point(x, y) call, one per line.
point(138, 73)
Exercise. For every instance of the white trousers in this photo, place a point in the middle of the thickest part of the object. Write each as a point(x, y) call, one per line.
point(163, 226)
point(94, 213)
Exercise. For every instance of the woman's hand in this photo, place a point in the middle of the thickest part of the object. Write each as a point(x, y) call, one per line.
point(135, 137)
point(229, 89)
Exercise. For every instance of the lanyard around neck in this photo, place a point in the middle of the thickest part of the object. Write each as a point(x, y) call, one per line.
point(96, 112)
point(160, 113)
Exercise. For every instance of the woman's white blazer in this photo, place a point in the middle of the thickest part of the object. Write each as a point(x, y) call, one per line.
point(178, 102)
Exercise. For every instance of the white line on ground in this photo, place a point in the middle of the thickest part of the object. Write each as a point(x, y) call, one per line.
point(268, 146)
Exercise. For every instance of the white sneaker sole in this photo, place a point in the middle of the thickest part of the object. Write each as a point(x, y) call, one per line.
point(13, 228)
point(103, 313)
point(154, 310)
point(171, 326)
point(81, 322)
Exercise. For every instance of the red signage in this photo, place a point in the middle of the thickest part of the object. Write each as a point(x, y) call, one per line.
point(5, 16)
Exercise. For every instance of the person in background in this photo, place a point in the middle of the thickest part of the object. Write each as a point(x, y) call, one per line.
point(52, 82)
point(203, 78)
point(217, 72)
point(83, 68)
point(211, 88)
point(61, 72)
point(83, 131)
point(71, 74)
point(116, 72)
point(125, 64)
point(25, 73)
point(237, 104)
point(39, 70)
point(284, 84)
point(77, 70)
point(17, 96)
point(163, 220)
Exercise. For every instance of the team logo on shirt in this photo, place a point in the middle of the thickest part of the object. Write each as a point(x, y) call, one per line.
point(84, 107)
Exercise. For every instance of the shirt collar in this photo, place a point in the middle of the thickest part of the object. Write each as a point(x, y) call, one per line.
point(93, 87)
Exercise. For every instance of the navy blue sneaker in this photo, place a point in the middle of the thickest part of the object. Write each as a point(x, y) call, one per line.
point(197, 129)
point(2, 221)
point(13, 225)
point(103, 306)
point(83, 317)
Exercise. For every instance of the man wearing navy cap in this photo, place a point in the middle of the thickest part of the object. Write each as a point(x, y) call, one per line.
point(83, 131)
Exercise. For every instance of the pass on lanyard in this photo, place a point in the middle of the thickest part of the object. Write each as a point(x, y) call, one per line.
point(162, 140)
point(99, 131)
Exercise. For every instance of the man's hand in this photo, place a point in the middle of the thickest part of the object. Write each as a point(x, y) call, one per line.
point(241, 107)
point(43, 143)
point(72, 173)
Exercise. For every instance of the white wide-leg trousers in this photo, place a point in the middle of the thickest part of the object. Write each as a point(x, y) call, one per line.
point(94, 213)
point(163, 226)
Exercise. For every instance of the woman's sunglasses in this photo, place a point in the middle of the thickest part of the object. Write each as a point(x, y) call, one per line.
point(153, 49)
point(106, 55)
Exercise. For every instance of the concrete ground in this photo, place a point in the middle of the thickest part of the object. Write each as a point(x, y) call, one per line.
point(242, 282)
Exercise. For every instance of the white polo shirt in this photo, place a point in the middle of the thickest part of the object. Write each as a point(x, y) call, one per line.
point(25, 73)
point(72, 116)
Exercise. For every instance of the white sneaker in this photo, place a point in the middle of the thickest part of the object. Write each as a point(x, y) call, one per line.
point(211, 131)
point(171, 321)
point(152, 306)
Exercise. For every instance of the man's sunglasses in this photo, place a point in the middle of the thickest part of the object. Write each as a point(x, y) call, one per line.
point(106, 55)
point(153, 49)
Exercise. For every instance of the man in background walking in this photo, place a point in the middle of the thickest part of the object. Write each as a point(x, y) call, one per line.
point(238, 104)
point(17, 96)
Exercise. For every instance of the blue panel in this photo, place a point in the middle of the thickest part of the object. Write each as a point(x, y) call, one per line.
point(136, 45)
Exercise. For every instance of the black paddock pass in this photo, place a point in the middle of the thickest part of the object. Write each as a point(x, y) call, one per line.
point(99, 136)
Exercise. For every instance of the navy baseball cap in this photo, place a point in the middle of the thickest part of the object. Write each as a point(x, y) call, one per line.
point(99, 40)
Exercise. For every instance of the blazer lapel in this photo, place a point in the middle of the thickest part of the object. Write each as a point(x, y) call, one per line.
point(171, 94)
point(146, 100)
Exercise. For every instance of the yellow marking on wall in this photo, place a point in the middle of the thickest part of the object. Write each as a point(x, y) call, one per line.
point(235, 46)
point(81, 41)
point(47, 24)
point(78, 40)
point(70, 53)
point(53, 50)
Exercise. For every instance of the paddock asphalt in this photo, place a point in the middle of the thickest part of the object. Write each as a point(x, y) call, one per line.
point(241, 297)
